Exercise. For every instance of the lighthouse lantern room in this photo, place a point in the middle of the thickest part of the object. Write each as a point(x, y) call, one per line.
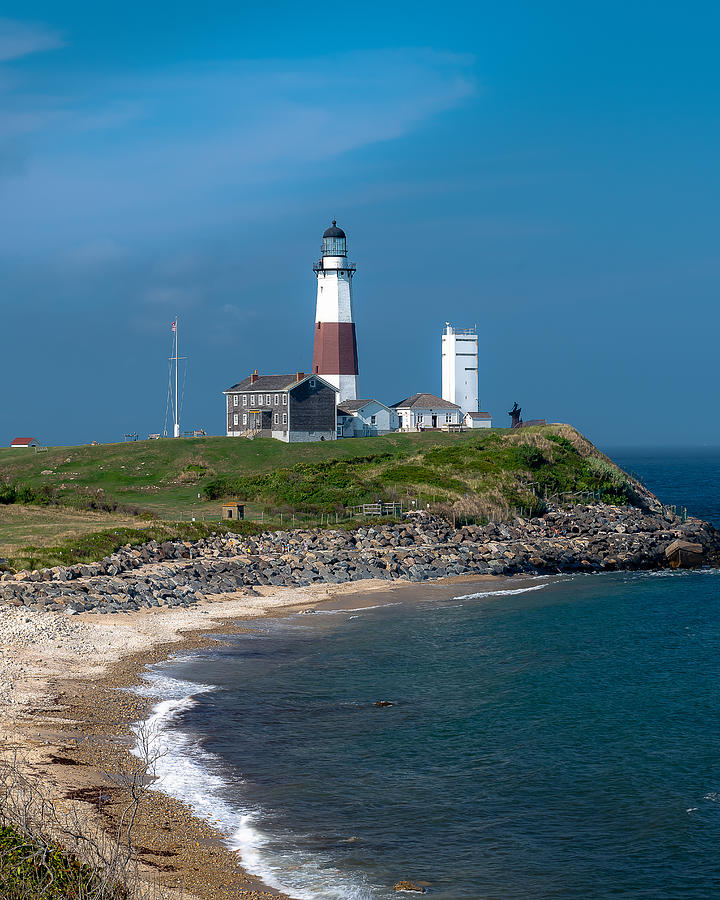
point(335, 348)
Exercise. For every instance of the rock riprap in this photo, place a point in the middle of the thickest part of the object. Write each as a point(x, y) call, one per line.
point(420, 548)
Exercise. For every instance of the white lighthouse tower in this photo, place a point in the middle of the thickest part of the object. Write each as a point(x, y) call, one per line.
point(460, 368)
point(335, 349)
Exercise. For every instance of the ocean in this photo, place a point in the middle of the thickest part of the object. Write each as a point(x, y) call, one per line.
point(547, 738)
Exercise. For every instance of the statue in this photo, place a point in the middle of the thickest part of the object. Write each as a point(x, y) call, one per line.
point(515, 420)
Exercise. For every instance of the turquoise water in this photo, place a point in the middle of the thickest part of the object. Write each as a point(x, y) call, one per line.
point(556, 738)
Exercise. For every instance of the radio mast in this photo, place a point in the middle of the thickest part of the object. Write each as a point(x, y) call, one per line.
point(174, 395)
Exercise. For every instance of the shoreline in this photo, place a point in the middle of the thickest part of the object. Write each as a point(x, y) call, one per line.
point(64, 713)
point(70, 726)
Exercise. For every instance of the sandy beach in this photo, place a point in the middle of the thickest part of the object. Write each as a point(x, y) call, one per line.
point(66, 722)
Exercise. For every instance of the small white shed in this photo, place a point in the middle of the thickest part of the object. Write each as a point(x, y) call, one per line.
point(477, 420)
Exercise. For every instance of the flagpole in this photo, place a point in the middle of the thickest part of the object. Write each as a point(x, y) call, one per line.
point(176, 430)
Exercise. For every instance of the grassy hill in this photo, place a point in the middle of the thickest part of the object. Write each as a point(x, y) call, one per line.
point(471, 475)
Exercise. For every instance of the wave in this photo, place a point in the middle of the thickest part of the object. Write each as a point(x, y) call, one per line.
point(677, 573)
point(189, 773)
point(501, 593)
point(353, 609)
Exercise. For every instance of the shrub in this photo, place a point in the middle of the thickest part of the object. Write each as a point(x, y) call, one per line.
point(413, 474)
point(36, 868)
point(531, 456)
point(448, 456)
point(562, 442)
point(320, 486)
point(25, 494)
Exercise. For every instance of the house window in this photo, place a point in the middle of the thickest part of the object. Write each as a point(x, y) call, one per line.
point(448, 417)
point(284, 399)
point(235, 419)
point(268, 399)
point(312, 382)
point(277, 399)
point(373, 420)
point(244, 418)
point(252, 399)
point(284, 418)
point(277, 418)
point(244, 399)
point(235, 400)
point(419, 418)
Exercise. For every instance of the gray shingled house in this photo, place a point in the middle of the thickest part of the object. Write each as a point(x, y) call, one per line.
point(290, 408)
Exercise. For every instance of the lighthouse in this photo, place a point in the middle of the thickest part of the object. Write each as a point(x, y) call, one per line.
point(335, 350)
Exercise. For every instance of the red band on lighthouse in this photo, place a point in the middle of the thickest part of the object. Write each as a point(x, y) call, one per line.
point(335, 350)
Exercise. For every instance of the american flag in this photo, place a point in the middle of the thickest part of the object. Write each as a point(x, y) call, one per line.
point(174, 325)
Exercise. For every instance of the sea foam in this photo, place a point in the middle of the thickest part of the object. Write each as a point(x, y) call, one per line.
point(186, 771)
point(501, 593)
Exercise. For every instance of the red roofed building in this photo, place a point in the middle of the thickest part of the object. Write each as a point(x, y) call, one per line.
point(24, 442)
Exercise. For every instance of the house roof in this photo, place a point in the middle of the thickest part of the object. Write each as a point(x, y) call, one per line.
point(269, 383)
point(425, 401)
point(354, 405)
point(479, 415)
point(23, 442)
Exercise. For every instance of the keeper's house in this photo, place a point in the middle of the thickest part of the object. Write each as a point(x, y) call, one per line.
point(423, 411)
point(290, 408)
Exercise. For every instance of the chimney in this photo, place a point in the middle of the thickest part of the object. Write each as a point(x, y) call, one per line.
point(299, 376)
point(254, 377)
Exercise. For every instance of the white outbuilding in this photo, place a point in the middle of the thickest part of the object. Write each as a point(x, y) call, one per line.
point(477, 420)
point(365, 418)
point(423, 411)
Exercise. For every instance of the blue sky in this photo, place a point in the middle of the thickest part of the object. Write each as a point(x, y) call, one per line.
point(547, 171)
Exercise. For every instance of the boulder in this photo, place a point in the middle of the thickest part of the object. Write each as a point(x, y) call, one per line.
point(684, 554)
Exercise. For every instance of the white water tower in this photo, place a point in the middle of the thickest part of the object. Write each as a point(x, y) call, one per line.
point(460, 368)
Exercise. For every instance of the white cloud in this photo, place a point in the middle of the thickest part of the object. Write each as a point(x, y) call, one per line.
point(23, 38)
point(182, 147)
point(171, 296)
point(238, 313)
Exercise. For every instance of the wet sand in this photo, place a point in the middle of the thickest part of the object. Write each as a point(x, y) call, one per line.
point(68, 722)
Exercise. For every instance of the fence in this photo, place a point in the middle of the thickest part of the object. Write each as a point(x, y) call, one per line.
point(374, 509)
point(296, 519)
point(674, 510)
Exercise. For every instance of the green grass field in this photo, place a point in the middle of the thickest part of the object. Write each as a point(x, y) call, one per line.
point(67, 492)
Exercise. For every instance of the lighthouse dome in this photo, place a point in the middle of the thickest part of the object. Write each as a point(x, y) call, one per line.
point(334, 242)
point(333, 231)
